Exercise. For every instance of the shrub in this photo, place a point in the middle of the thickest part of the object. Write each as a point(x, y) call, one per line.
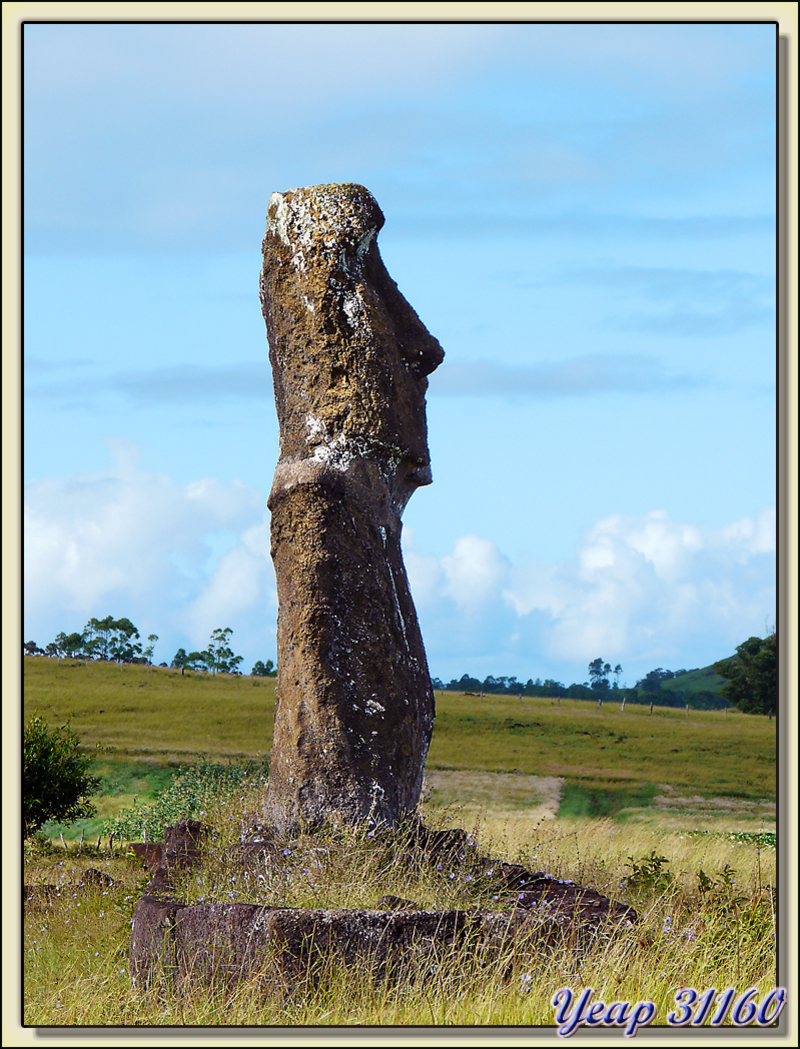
point(56, 784)
point(192, 790)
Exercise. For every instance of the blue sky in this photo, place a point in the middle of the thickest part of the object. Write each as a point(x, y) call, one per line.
point(583, 215)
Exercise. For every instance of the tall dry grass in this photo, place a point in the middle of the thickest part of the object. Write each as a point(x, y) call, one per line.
point(716, 933)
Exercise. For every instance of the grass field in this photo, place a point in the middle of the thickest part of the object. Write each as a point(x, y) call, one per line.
point(635, 804)
point(148, 722)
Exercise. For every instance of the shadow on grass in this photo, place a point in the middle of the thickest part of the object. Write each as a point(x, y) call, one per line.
point(578, 801)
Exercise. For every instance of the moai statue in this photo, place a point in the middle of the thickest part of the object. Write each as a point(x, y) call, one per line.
point(349, 357)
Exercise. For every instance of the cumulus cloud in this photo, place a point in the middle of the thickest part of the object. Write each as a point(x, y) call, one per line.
point(237, 587)
point(181, 560)
point(175, 558)
point(644, 591)
point(473, 571)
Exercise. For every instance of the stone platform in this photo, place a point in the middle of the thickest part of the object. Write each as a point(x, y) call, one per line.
point(219, 944)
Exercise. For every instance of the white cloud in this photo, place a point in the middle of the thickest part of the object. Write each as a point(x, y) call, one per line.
point(237, 586)
point(133, 543)
point(643, 591)
point(182, 560)
point(646, 586)
point(424, 571)
point(473, 572)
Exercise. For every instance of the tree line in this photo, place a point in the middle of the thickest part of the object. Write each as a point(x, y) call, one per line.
point(750, 683)
point(118, 641)
point(751, 676)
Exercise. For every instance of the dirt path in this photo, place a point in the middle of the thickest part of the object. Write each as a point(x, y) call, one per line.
point(504, 794)
point(670, 800)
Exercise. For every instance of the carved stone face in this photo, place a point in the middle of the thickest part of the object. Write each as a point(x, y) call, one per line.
point(350, 356)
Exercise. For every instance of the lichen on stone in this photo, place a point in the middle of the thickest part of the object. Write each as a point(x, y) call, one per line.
point(350, 359)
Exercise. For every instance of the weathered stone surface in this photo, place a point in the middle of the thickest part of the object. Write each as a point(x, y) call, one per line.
point(148, 853)
point(221, 943)
point(283, 947)
point(182, 844)
point(41, 896)
point(350, 357)
point(152, 953)
point(93, 878)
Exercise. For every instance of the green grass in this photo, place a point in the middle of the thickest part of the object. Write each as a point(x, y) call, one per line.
point(149, 715)
point(707, 753)
point(715, 930)
point(496, 764)
point(148, 723)
point(702, 680)
point(580, 801)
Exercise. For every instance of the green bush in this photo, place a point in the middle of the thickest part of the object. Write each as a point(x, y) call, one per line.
point(193, 789)
point(56, 784)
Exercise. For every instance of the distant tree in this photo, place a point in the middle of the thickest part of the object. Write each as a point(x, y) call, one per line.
point(464, 684)
point(199, 660)
point(56, 783)
point(180, 660)
point(617, 672)
point(115, 640)
point(70, 645)
point(577, 691)
point(651, 682)
point(125, 646)
point(551, 687)
point(30, 648)
point(98, 633)
point(221, 657)
point(752, 676)
point(261, 669)
point(57, 646)
point(148, 652)
point(598, 674)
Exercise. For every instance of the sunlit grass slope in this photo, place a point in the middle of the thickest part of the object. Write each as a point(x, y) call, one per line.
point(705, 894)
point(149, 714)
point(708, 752)
point(148, 721)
